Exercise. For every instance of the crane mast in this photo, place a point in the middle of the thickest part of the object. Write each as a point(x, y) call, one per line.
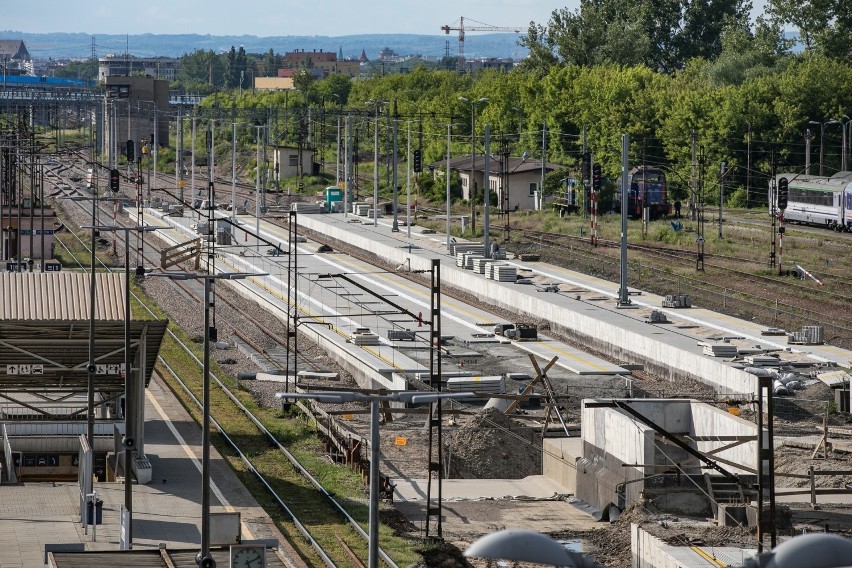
point(480, 28)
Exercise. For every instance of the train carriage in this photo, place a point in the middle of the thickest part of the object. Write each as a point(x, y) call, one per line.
point(648, 188)
point(816, 200)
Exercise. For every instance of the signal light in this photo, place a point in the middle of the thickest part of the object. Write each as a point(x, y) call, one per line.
point(114, 180)
point(418, 161)
point(783, 193)
point(596, 177)
point(131, 151)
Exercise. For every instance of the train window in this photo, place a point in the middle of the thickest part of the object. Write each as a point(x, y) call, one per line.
point(811, 196)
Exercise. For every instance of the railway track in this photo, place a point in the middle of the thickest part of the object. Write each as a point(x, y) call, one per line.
point(305, 520)
point(722, 288)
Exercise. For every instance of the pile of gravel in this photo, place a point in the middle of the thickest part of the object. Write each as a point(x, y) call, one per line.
point(492, 446)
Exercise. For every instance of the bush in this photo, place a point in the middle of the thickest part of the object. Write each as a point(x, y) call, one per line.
point(737, 198)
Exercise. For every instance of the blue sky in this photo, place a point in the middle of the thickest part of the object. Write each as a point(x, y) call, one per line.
point(273, 18)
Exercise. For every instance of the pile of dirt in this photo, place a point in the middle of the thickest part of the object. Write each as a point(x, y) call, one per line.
point(492, 446)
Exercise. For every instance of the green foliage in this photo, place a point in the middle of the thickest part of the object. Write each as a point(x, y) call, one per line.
point(201, 67)
point(736, 87)
point(824, 26)
point(737, 198)
point(662, 34)
point(86, 70)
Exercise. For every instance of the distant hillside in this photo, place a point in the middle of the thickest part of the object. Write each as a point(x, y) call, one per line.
point(77, 45)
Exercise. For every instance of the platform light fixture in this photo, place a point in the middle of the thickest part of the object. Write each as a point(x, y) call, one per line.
point(527, 546)
point(472, 155)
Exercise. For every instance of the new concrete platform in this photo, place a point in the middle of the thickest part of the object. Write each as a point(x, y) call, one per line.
point(336, 312)
point(165, 511)
point(586, 306)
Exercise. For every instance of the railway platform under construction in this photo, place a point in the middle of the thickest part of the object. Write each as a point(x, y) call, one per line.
point(586, 308)
point(686, 342)
point(340, 310)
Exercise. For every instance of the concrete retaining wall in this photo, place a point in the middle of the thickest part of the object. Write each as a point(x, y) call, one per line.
point(710, 421)
point(648, 551)
point(559, 460)
point(605, 337)
point(613, 441)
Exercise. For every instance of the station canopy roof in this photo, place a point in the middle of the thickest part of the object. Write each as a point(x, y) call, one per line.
point(44, 333)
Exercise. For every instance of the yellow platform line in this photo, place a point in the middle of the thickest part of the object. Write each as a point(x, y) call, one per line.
point(707, 557)
point(317, 318)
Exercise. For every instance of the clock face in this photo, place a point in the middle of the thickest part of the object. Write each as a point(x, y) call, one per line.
point(248, 558)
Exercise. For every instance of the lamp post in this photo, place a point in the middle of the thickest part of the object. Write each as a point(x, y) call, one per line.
point(472, 156)
point(145, 152)
point(822, 142)
point(395, 225)
point(129, 441)
point(449, 129)
point(337, 164)
point(378, 105)
point(844, 126)
point(413, 397)
point(204, 559)
point(91, 368)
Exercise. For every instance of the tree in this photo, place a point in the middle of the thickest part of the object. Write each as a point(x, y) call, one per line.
point(746, 55)
point(824, 25)
point(86, 70)
point(702, 26)
point(598, 31)
point(662, 34)
point(334, 89)
point(241, 71)
point(271, 63)
point(231, 75)
point(201, 67)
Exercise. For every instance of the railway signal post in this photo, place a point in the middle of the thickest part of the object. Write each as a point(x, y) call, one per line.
point(782, 195)
point(595, 194)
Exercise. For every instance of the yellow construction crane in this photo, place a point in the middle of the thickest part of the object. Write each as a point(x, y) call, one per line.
point(479, 28)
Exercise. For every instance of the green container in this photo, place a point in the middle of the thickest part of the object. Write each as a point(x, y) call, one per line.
point(333, 194)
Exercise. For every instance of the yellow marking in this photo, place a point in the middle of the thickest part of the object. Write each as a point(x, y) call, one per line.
point(318, 319)
point(400, 441)
point(420, 292)
point(707, 557)
point(569, 355)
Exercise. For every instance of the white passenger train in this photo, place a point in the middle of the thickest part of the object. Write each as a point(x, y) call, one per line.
point(817, 200)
